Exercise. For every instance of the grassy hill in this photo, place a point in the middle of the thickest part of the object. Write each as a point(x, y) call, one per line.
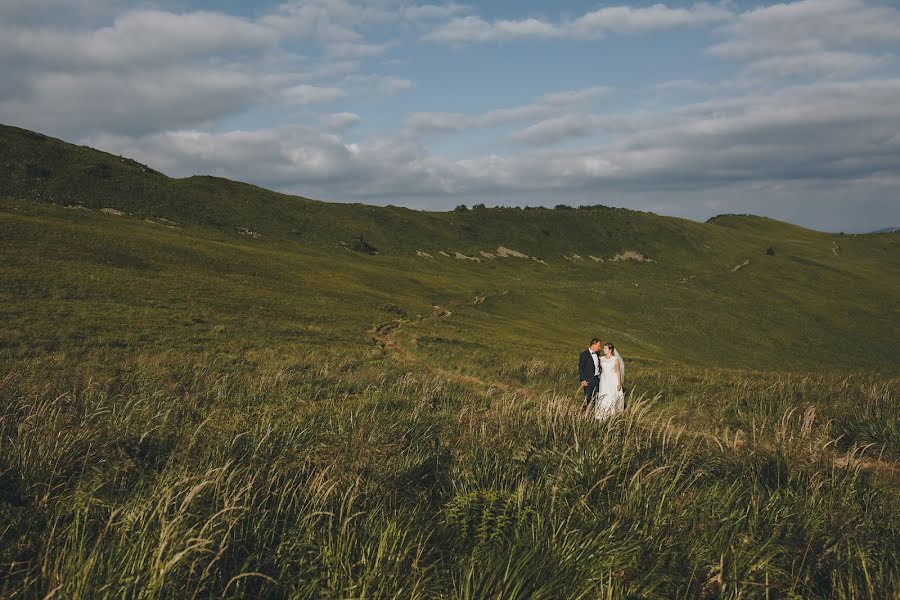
point(211, 389)
point(738, 291)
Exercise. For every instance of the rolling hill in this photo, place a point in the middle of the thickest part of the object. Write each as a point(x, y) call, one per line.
point(81, 227)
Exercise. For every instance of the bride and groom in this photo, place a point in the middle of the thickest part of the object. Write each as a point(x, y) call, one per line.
point(601, 379)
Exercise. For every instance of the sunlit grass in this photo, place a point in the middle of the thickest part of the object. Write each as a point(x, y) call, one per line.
point(299, 478)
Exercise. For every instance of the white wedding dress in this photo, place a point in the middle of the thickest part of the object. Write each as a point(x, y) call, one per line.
point(610, 401)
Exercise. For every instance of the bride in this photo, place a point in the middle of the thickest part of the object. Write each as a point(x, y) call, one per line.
point(610, 397)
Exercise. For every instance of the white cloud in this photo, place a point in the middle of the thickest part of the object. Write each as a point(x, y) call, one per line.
point(311, 94)
point(824, 63)
point(547, 105)
point(429, 122)
point(570, 97)
point(613, 19)
point(816, 22)
point(686, 85)
point(145, 37)
point(58, 11)
point(294, 159)
point(423, 12)
point(341, 120)
point(395, 85)
point(356, 49)
point(134, 103)
point(381, 84)
point(625, 19)
point(147, 70)
point(810, 133)
point(476, 29)
point(556, 129)
point(810, 140)
point(828, 38)
point(327, 20)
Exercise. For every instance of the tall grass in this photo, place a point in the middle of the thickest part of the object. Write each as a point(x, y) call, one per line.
point(299, 477)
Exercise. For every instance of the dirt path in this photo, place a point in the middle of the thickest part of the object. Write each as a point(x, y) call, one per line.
point(384, 337)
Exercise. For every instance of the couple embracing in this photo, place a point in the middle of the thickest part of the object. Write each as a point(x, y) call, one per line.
point(601, 379)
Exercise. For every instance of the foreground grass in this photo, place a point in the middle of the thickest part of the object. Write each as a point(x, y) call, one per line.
point(323, 475)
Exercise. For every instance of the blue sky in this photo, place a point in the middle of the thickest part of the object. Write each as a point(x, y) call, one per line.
point(790, 110)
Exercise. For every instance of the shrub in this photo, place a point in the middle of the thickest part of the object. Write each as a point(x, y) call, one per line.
point(361, 245)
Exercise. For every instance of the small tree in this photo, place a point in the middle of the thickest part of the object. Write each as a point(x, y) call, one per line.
point(361, 245)
point(770, 251)
point(461, 208)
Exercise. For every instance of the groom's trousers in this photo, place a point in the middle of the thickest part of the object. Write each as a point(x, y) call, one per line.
point(590, 391)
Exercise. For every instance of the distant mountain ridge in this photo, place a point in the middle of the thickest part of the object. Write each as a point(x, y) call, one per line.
point(886, 230)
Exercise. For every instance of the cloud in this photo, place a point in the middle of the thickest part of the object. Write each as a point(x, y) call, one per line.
point(381, 84)
point(68, 12)
point(556, 129)
point(295, 159)
point(686, 85)
point(148, 70)
point(341, 120)
point(138, 38)
point(799, 145)
point(809, 24)
point(133, 103)
point(824, 63)
point(476, 29)
point(356, 49)
point(310, 94)
point(613, 19)
point(547, 105)
point(828, 38)
point(327, 20)
point(395, 85)
point(625, 19)
point(812, 133)
point(424, 12)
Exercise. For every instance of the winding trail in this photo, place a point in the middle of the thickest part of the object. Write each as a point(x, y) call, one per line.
point(384, 338)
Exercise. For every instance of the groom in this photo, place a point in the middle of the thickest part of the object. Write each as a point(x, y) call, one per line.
point(589, 371)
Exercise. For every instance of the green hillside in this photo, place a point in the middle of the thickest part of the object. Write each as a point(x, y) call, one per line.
point(737, 292)
point(208, 389)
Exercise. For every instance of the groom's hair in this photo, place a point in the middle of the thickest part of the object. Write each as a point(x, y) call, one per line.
point(594, 341)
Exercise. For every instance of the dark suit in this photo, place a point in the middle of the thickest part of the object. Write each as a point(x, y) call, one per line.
point(586, 373)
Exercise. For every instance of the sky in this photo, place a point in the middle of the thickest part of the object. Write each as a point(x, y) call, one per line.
point(788, 110)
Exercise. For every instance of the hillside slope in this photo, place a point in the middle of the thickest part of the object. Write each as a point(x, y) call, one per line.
point(102, 252)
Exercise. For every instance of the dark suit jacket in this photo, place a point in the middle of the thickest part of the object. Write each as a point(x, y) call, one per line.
point(586, 366)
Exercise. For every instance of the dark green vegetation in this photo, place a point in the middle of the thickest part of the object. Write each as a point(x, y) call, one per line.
point(230, 392)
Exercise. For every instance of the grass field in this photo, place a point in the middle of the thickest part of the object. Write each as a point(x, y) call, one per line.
point(212, 390)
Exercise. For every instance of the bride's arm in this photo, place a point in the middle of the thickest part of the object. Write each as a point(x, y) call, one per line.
point(618, 378)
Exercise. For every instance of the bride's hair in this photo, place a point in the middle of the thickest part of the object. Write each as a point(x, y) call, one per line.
point(610, 346)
